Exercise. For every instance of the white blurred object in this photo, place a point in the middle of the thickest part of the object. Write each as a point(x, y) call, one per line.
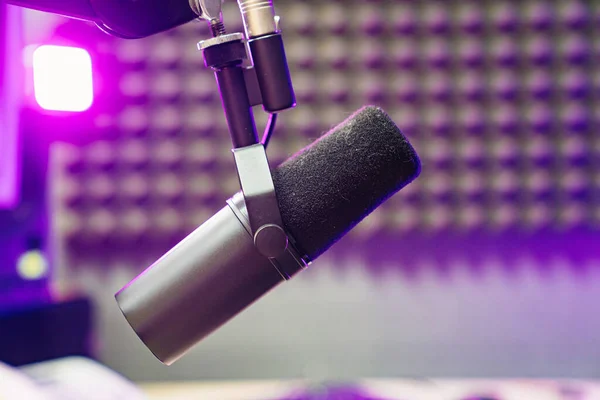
point(71, 378)
point(77, 378)
point(389, 389)
point(15, 385)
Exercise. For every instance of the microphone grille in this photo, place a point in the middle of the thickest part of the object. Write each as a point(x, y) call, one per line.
point(331, 185)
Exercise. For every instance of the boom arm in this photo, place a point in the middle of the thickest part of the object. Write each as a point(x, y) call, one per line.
point(124, 18)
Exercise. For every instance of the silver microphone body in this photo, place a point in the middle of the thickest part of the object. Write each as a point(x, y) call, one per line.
point(209, 277)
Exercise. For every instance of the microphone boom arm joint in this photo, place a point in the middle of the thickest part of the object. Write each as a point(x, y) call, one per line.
point(267, 82)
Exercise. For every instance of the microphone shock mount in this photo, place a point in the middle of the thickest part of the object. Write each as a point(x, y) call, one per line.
point(267, 81)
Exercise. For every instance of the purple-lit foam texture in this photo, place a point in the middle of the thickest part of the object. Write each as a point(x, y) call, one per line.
point(500, 100)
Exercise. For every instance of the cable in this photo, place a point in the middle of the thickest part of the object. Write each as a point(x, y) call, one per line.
point(269, 130)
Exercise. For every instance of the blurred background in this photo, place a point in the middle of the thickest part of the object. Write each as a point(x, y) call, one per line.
point(487, 265)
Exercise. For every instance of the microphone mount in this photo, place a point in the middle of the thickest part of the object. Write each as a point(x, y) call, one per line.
point(267, 81)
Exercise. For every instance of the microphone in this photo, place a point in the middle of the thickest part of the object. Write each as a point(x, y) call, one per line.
point(216, 272)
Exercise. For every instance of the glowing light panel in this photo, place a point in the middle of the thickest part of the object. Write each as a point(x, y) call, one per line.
point(62, 78)
point(32, 265)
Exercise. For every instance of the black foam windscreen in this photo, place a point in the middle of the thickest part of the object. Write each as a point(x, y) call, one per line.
point(331, 185)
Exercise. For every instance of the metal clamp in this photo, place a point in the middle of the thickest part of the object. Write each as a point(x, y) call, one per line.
point(222, 39)
point(257, 186)
point(291, 261)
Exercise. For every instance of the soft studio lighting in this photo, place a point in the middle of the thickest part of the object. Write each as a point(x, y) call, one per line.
point(32, 265)
point(62, 78)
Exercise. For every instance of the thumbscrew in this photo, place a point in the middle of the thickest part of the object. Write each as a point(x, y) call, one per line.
point(217, 28)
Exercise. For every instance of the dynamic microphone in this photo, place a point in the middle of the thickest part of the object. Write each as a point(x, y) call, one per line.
point(216, 272)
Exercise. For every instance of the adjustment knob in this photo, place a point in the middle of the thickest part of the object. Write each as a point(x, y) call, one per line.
point(271, 240)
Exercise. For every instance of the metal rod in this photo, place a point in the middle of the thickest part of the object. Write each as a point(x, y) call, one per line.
point(236, 105)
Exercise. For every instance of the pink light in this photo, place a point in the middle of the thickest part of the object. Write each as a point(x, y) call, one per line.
point(10, 100)
point(62, 78)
